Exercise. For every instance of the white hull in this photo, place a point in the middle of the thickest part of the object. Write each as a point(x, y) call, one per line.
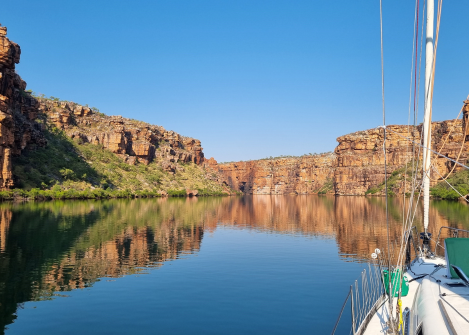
point(435, 307)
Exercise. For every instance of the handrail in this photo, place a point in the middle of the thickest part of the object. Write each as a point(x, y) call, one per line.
point(368, 297)
point(455, 234)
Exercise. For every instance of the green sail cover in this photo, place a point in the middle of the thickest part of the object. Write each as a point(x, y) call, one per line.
point(457, 253)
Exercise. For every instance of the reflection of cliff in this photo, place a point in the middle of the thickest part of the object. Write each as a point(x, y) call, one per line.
point(357, 223)
point(152, 232)
point(128, 253)
point(59, 246)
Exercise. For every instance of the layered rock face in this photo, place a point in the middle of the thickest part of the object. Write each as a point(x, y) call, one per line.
point(360, 158)
point(359, 165)
point(130, 139)
point(18, 111)
point(297, 175)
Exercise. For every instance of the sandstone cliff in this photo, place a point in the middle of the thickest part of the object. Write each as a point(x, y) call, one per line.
point(360, 159)
point(18, 111)
point(295, 175)
point(133, 141)
point(357, 165)
point(355, 168)
point(51, 144)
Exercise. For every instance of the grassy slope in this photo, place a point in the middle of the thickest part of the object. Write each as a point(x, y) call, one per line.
point(67, 166)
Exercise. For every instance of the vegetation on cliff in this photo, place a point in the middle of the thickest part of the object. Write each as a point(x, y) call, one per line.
point(69, 168)
point(395, 184)
point(459, 180)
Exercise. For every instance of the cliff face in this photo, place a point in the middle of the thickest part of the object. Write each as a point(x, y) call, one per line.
point(357, 164)
point(355, 167)
point(157, 157)
point(133, 141)
point(297, 175)
point(18, 111)
point(360, 159)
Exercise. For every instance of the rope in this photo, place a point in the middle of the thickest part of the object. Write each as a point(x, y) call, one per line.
point(384, 151)
point(384, 145)
point(416, 38)
point(412, 69)
point(382, 59)
point(341, 311)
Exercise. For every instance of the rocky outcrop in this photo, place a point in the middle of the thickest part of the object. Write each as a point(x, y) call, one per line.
point(357, 164)
point(18, 111)
point(295, 175)
point(133, 141)
point(130, 139)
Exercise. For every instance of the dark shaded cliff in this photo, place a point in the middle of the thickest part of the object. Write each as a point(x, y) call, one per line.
point(18, 111)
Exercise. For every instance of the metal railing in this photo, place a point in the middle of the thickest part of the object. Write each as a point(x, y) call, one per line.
point(367, 294)
point(455, 232)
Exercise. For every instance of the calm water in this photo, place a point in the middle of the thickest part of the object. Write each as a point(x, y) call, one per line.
point(250, 265)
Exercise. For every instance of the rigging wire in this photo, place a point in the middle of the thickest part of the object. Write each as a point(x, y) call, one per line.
point(384, 152)
point(462, 196)
point(424, 147)
point(444, 143)
point(414, 52)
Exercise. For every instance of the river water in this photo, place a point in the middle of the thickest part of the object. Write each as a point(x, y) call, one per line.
point(215, 265)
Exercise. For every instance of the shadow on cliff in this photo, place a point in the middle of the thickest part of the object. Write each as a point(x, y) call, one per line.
point(57, 162)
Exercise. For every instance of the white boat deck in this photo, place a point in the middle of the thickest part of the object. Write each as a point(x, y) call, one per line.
point(450, 316)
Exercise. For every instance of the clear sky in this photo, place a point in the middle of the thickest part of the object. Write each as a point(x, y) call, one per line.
point(249, 78)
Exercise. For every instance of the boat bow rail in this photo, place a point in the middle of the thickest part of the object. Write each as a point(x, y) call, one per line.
point(454, 233)
point(366, 295)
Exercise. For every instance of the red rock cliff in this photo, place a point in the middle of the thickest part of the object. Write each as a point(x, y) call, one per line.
point(296, 175)
point(359, 165)
point(18, 111)
point(356, 166)
point(130, 139)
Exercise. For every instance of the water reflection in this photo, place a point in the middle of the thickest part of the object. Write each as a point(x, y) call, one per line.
point(51, 247)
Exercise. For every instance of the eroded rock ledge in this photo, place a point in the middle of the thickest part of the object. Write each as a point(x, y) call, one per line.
point(302, 175)
point(130, 139)
point(18, 111)
point(355, 167)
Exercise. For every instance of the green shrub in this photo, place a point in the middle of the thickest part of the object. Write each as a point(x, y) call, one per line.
point(177, 193)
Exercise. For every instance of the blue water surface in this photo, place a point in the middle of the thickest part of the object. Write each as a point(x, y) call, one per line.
point(230, 266)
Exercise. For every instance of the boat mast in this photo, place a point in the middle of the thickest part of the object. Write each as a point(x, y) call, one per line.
point(427, 130)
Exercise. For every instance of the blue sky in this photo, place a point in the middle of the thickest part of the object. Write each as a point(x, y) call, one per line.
point(250, 79)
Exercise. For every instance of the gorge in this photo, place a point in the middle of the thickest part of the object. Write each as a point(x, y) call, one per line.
point(90, 150)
